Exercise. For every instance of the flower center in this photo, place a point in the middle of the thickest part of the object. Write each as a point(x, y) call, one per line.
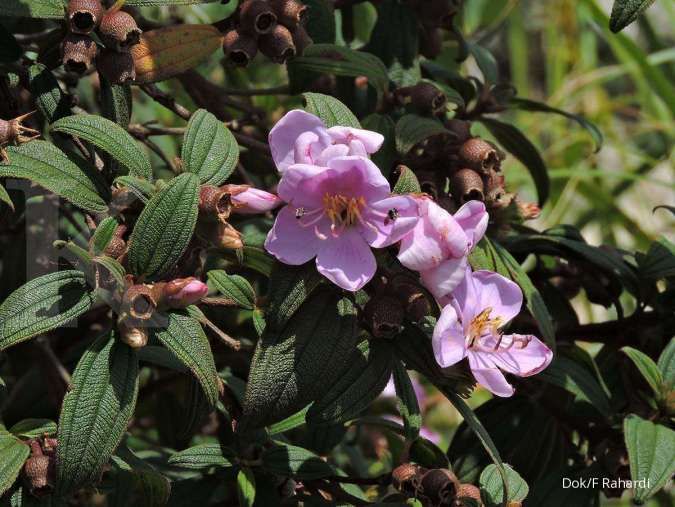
point(481, 325)
point(343, 211)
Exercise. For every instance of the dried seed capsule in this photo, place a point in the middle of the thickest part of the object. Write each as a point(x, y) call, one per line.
point(119, 30)
point(440, 486)
point(84, 15)
point(256, 16)
point(384, 316)
point(470, 493)
point(79, 52)
point(132, 333)
point(118, 68)
point(214, 203)
point(290, 13)
point(221, 235)
point(427, 98)
point(239, 48)
point(467, 185)
point(406, 478)
point(38, 470)
point(480, 155)
point(277, 45)
point(301, 39)
point(140, 302)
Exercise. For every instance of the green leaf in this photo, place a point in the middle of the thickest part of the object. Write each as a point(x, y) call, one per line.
point(116, 102)
point(533, 105)
point(292, 368)
point(290, 286)
point(43, 304)
point(46, 165)
point(184, 337)
point(4, 197)
point(33, 428)
point(624, 12)
point(395, 35)
point(95, 412)
point(427, 454)
point(141, 188)
point(407, 402)
point(164, 228)
point(209, 149)
point(331, 111)
point(407, 182)
point(102, 235)
point(246, 487)
point(33, 8)
point(320, 20)
point(203, 456)
point(386, 156)
point(113, 267)
point(486, 62)
point(291, 422)
point(648, 368)
point(651, 455)
point(82, 255)
point(659, 262)
point(109, 137)
point(14, 453)
point(666, 365)
point(293, 461)
point(49, 97)
point(515, 142)
point(492, 486)
point(368, 373)
point(234, 287)
point(412, 129)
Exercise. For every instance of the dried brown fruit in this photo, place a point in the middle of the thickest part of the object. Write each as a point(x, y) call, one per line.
point(277, 45)
point(467, 185)
point(257, 16)
point(239, 48)
point(117, 68)
point(84, 15)
point(79, 53)
point(119, 31)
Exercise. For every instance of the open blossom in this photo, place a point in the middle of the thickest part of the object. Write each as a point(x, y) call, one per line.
point(302, 138)
point(470, 327)
point(336, 214)
point(440, 242)
point(253, 200)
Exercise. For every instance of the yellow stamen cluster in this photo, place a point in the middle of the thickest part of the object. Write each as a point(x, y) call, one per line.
point(343, 211)
point(481, 323)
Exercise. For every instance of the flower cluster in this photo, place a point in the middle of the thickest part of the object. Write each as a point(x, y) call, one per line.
point(338, 206)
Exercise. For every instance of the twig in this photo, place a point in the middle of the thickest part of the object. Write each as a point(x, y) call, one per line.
point(277, 90)
point(143, 131)
point(252, 143)
point(225, 338)
point(166, 100)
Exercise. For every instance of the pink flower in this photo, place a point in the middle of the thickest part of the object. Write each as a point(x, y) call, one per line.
point(253, 200)
point(302, 138)
point(183, 292)
point(336, 213)
point(440, 242)
point(470, 327)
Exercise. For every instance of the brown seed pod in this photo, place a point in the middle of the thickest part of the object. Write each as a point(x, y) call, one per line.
point(239, 48)
point(214, 203)
point(301, 39)
point(118, 68)
point(406, 478)
point(119, 31)
point(257, 16)
point(222, 235)
point(290, 13)
point(278, 44)
point(427, 98)
point(133, 333)
point(467, 185)
point(84, 15)
point(79, 53)
point(461, 129)
point(384, 315)
point(480, 155)
point(140, 302)
point(439, 486)
point(471, 493)
point(37, 471)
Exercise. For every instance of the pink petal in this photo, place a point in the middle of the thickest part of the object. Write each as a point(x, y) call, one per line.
point(445, 277)
point(331, 152)
point(253, 200)
point(380, 230)
point(358, 177)
point(346, 260)
point(283, 136)
point(303, 185)
point(499, 293)
point(307, 149)
point(465, 298)
point(451, 234)
point(289, 242)
point(487, 375)
point(372, 141)
point(522, 355)
point(448, 340)
point(473, 218)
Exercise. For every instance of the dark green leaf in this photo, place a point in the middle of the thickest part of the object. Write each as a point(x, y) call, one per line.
point(395, 35)
point(10, 51)
point(412, 129)
point(109, 137)
point(43, 304)
point(234, 287)
point(515, 142)
point(666, 365)
point(95, 412)
point(492, 486)
point(4, 197)
point(49, 97)
point(33, 428)
point(209, 149)
point(427, 454)
point(407, 182)
point(203, 456)
point(164, 228)
point(331, 111)
point(46, 165)
point(624, 12)
point(246, 487)
point(290, 286)
point(293, 421)
point(659, 262)
point(486, 62)
point(116, 102)
point(320, 21)
point(292, 461)
point(407, 401)
point(14, 453)
point(648, 368)
point(103, 234)
point(141, 188)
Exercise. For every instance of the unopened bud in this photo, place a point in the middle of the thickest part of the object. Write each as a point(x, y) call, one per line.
point(256, 16)
point(84, 15)
point(215, 203)
point(119, 30)
point(79, 52)
point(248, 200)
point(528, 210)
point(117, 68)
point(222, 236)
point(183, 292)
point(467, 185)
point(290, 13)
point(407, 478)
point(132, 333)
point(431, 42)
point(301, 39)
point(471, 494)
point(278, 44)
point(140, 302)
point(440, 486)
point(239, 48)
point(384, 316)
point(480, 155)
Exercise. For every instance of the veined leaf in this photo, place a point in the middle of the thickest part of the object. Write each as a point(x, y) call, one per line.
point(95, 412)
point(116, 101)
point(407, 182)
point(49, 97)
point(293, 421)
point(290, 286)
point(246, 487)
point(659, 262)
point(624, 12)
point(46, 165)
point(109, 137)
point(395, 35)
point(486, 62)
point(203, 456)
point(320, 20)
point(330, 110)
point(492, 486)
point(666, 365)
point(427, 454)
point(141, 188)
point(407, 402)
point(186, 339)
point(209, 149)
point(14, 453)
point(647, 368)
point(33, 428)
point(4, 197)
point(293, 461)
point(103, 234)
point(412, 129)
point(234, 287)
point(164, 227)
point(33, 8)
point(43, 304)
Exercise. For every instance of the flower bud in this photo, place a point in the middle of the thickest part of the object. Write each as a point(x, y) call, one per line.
point(440, 486)
point(480, 155)
point(132, 333)
point(384, 316)
point(222, 236)
point(406, 478)
point(301, 39)
point(431, 42)
point(140, 302)
point(256, 16)
point(239, 48)
point(253, 200)
point(290, 13)
point(467, 185)
point(119, 31)
point(84, 15)
point(79, 52)
point(528, 210)
point(278, 44)
point(117, 68)
point(215, 203)
point(183, 292)
point(470, 493)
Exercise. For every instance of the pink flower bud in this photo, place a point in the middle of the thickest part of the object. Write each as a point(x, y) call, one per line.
point(253, 200)
point(184, 292)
